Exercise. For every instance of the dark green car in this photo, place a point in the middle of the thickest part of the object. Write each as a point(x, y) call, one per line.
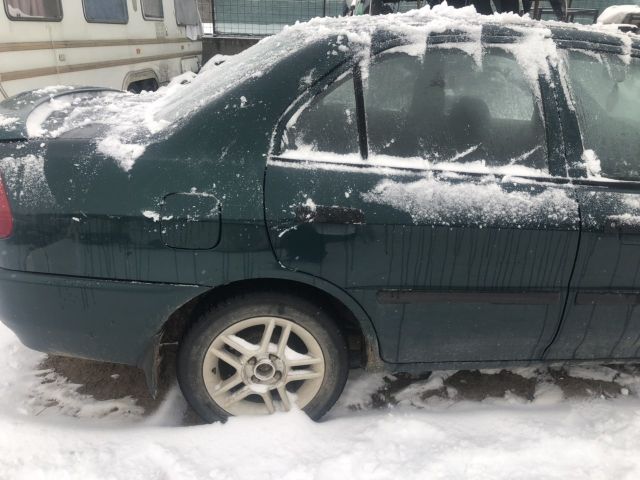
point(410, 192)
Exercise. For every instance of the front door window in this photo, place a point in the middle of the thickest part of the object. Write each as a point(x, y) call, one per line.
point(605, 94)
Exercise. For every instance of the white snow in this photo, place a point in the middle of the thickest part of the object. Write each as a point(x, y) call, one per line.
point(50, 431)
point(547, 394)
point(124, 153)
point(604, 374)
point(626, 219)
point(617, 14)
point(310, 204)
point(28, 392)
point(24, 176)
point(592, 162)
point(150, 214)
point(434, 201)
point(314, 159)
point(6, 122)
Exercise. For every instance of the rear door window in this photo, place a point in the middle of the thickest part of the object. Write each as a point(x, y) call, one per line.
point(47, 10)
point(326, 125)
point(445, 108)
point(606, 93)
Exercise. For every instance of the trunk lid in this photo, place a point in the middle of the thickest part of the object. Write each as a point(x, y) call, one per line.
point(22, 116)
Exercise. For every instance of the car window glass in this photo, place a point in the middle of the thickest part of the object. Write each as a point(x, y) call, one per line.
point(106, 11)
point(605, 94)
point(328, 124)
point(152, 9)
point(34, 9)
point(446, 108)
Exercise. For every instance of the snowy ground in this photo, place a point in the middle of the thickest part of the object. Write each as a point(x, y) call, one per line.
point(549, 423)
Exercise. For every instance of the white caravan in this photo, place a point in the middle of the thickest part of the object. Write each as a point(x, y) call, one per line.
point(122, 44)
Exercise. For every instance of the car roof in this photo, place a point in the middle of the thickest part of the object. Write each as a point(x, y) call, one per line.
point(449, 21)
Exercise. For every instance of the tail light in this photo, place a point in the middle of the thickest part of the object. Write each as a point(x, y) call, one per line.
point(6, 218)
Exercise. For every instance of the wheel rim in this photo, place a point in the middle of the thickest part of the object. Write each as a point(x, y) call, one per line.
point(262, 365)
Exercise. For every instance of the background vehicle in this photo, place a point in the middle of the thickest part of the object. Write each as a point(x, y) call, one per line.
point(628, 15)
point(281, 219)
point(122, 44)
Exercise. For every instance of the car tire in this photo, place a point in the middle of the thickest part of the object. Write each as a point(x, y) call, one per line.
point(228, 344)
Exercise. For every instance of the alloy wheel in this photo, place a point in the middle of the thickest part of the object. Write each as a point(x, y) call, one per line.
point(262, 365)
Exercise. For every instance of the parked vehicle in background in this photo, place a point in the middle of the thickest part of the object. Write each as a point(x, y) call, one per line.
point(474, 203)
point(624, 15)
point(130, 45)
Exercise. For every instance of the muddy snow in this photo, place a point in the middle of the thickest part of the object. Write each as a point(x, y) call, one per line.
point(74, 419)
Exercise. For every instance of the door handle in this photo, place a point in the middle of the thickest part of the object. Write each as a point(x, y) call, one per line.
point(329, 214)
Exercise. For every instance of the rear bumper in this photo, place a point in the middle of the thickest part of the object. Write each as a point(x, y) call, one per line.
point(102, 320)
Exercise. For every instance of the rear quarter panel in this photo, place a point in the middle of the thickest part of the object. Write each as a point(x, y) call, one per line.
point(78, 213)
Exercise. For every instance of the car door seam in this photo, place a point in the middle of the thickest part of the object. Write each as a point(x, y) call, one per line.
point(568, 290)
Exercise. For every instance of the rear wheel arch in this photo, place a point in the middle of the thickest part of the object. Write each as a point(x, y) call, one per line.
point(347, 313)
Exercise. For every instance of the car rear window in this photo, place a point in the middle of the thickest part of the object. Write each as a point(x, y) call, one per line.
point(605, 90)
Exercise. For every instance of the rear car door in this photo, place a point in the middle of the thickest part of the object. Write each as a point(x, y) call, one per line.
point(425, 191)
point(603, 318)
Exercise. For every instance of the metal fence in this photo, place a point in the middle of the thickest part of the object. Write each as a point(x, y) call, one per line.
point(588, 9)
point(266, 17)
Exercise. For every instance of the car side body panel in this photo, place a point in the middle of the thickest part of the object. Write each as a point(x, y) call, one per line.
point(77, 212)
point(92, 271)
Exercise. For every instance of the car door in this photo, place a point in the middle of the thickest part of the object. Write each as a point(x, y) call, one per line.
point(425, 192)
point(603, 318)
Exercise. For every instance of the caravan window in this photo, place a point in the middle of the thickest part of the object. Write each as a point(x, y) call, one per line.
point(187, 12)
point(43, 10)
point(105, 11)
point(152, 10)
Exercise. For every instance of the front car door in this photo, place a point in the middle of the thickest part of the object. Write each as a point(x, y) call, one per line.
point(603, 319)
point(425, 191)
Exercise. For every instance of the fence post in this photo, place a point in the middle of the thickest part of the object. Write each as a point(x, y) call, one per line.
point(324, 8)
point(213, 17)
